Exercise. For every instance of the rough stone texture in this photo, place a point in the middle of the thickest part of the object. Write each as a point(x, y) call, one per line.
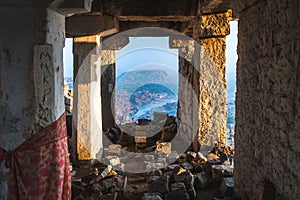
point(213, 106)
point(213, 25)
point(268, 100)
point(20, 86)
point(87, 106)
point(107, 87)
point(188, 93)
point(202, 84)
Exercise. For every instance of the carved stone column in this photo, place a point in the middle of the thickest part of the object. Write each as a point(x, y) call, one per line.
point(87, 138)
point(202, 76)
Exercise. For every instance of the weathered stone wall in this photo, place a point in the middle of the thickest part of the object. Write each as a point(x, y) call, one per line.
point(107, 87)
point(188, 93)
point(31, 42)
point(268, 98)
point(212, 97)
point(87, 116)
point(202, 107)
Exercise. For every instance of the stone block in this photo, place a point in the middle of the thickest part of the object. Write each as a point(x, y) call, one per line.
point(226, 170)
point(140, 139)
point(226, 186)
point(190, 156)
point(113, 160)
point(178, 186)
point(159, 184)
point(115, 149)
point(188, 179)
point(201, 181)
point(106, 171)
point(187, 166)
point(152, 196)
point(201, 157)
point(112, 196)
point(177, 194)
point(163, 147)
point(112, 184)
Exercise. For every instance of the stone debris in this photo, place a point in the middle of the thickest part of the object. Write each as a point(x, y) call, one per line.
point(187, 176)
point(190, 156)
point(226, 186)
point(201, 181)
point(115, 149)
point(180, 188)
point(201, 157)
point(106, 171)
point(159, 184)
point(225, 170)
point(187, 165)
point(163, 147)
point(114, 160)
point(152, 196)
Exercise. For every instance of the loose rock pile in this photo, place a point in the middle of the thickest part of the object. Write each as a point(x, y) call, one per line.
point(192, 176)
point(161, 172)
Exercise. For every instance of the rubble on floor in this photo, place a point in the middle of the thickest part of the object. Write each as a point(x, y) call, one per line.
point(191, 176)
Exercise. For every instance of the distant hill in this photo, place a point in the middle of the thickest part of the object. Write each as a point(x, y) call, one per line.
point(231, 90)
point(132, 80)
point(151, 93)
point(140, 93)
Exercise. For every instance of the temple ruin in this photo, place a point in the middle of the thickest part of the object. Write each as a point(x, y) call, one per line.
point(267, 130)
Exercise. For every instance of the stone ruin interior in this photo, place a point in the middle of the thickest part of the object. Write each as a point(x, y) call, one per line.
point(188, 157)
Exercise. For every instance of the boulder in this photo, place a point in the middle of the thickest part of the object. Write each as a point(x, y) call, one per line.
point(201, 181)
point(159, 184)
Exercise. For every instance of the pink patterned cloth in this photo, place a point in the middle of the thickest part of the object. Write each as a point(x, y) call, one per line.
point(40, 167)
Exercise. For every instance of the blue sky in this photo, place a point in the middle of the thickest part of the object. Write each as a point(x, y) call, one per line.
point(231, 48)
point(146, 52)
point(68, 57)
point(153, 51)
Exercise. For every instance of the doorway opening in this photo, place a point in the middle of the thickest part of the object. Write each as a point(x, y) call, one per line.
point(146, 79)
point(68, 74)
point(231, 59)
point(145, 97)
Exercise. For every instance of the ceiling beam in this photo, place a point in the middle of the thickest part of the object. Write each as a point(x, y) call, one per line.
point(84, 25)
point(163, 7)
point(71, 7)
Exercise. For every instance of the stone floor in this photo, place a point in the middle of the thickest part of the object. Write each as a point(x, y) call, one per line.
point(192, 176)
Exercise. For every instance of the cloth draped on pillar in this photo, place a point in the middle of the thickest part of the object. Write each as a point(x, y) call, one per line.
point(40, 167)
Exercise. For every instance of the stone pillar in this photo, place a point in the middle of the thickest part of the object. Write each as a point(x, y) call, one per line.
point(188, 92)
point(87, 138)
point(267, 134)
point(212, 93)
point(108, 77)
point(31, 74)
point(202, 76)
